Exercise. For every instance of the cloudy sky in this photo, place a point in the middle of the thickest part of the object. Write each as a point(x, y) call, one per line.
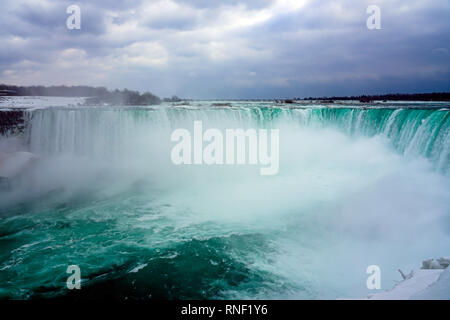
point(229, 48)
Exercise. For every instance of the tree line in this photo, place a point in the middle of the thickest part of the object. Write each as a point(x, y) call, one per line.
point(435, 96)
point(94, 95)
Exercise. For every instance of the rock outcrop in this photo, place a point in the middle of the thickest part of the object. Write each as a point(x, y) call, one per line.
point(11, 122)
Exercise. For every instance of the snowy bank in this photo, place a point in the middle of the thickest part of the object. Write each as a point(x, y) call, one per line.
point(431, 282)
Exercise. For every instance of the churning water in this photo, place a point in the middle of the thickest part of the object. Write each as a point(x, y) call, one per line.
point(356, 187)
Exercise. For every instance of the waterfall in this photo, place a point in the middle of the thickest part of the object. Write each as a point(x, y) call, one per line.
point(356, 187)
point(109, 132)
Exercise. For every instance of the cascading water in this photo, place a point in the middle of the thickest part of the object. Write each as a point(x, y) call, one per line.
point(356, 187)
point(414, 132)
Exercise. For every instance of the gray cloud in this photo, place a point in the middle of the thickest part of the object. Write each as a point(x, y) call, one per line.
point(229, 49)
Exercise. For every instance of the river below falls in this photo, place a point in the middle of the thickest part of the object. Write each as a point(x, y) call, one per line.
point(356, 187)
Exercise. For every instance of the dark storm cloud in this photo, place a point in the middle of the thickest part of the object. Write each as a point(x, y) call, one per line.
point(231, 49)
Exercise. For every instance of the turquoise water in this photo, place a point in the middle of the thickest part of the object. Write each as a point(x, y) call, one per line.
point(357, 186)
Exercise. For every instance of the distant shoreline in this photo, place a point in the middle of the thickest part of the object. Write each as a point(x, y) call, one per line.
point(435, 96)
point(101, 94)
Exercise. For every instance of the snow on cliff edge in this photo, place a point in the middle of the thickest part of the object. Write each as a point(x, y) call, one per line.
point(432, 282)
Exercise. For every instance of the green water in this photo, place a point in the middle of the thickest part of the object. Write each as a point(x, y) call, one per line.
point(356, 187)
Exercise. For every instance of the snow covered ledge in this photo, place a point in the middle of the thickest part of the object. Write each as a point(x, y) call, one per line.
point(431, 282)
